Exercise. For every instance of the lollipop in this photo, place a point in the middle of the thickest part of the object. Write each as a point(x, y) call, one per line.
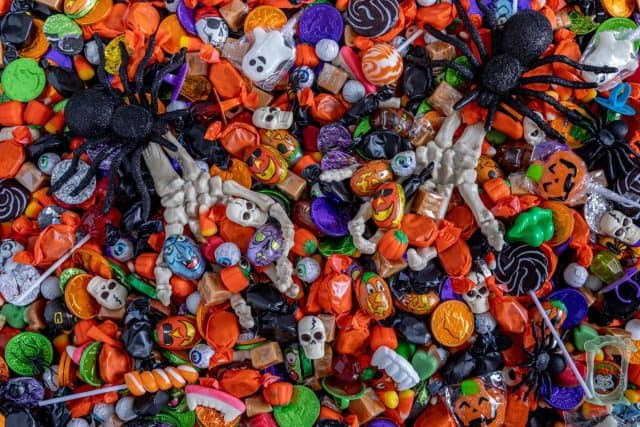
point(382, 63)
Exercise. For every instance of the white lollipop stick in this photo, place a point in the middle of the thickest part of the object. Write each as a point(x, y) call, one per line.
point(81, 395)
point(51, 269)
point(410, 40)
point(565, 352)
point(612, 195)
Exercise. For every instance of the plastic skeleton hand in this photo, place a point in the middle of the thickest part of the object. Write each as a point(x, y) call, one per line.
point(396, 366)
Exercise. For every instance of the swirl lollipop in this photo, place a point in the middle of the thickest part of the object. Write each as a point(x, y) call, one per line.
point(382, 63)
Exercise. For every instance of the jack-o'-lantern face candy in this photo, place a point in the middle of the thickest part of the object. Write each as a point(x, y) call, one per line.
point(374, 296)
point(388, 205)
point(479, 406)
point(563, 177)
point(177, 333)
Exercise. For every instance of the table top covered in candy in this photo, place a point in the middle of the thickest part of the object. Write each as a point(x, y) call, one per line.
point(304, 213)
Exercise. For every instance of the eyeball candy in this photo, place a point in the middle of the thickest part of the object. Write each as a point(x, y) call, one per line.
point(47, 161)
point(122, 250)
point(200, 355)
point(304, 76)
point(307, 269)
point(227, 254)
point(353, 91)
point(327, 50)
point(382, 64)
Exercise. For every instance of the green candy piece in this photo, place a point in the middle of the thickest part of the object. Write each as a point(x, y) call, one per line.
point(134, 281)
point(57, 26)
point(363, 127)
point(303, 411)
point(453, 77)
point(28, 354)
point(582, 334)
point(424, 364)
point(14, 315)
point(532, 227)
point(406, 349)
point(88, 367)
point(173, 358)
point(581, 24)
point(23, 80)
point(341, 245)
point(67, 274)
point(423, 108)
point(496, 137)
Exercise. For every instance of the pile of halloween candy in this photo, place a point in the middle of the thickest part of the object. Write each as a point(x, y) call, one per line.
point(333, 213)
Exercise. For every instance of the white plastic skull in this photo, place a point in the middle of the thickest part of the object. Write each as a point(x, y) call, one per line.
point(610, 52)
point(272, 118)
point(267, 55)
point(312, 335)
point(532, 133)
point(619, 226)
point(478, 297)
point(8, 248)
point(109, 293)
point(246, 213)
point(212, 30)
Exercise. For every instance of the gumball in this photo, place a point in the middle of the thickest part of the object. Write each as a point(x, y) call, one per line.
point(124, 409)
point(382, 64)
point(227, 254)
point(327, 50)
point(78, 422)
point(353, 91)
point(50, 288)
point(193, 301)
point(575, 275)
point(102, 411)
point(307, 269)
point(200, 355)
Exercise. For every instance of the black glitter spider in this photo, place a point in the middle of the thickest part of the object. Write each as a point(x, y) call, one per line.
point(545, 361)
point(117, 129)
point(607, 147)
point(516, 50)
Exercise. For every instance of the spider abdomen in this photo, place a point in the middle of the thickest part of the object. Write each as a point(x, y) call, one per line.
point(132, 122)
point(501, 74)
point(88, 113)
point(526, 35)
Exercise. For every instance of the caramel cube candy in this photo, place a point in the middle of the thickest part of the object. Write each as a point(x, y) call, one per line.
point(429, 204)
point(366, 407)
point(266, 355)
point(332, 78)
point(197, 67)
point(387, 268)
point(56, 5)
point(264, 98)
point(234, 13)
point(212, 290)
point(324, 367)
point(329, 322)
point(444, 97)
point(234, 49)
point(105, 313)
point(440, 50)
point(196, 88)
point(314, 383)
point(293, 186)
point(256, 405)
point(30, 177)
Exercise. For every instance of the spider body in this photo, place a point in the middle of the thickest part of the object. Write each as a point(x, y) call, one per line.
point(118, 127)
point(516, 50)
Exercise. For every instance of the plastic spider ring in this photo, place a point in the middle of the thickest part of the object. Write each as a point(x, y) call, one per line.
point(341, 399)
point(617, 100)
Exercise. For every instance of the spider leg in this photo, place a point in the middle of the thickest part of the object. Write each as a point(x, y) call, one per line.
point(112, 174)
point(565, 60)
point(572, 115)
point(101, 72)
point(93, 170)
point(491, 115)
point(489, 14)
point(142, 65)
point(527, 112)
point(460, 68)
point(473, 31)
point(471, 96)
point(174, 63)
point(73, 167)
point(455, 42)
point(122, 71)
point(554, 80)
point(139, 181)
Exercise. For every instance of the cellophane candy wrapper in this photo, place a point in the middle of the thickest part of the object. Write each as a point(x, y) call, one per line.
point(628, 416)
point(478, 401)
point(613, 48)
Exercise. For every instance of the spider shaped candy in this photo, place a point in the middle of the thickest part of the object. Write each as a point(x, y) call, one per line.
point(119, 126)
point(516, 50)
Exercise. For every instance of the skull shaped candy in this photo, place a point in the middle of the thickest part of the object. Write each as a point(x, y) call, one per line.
point(312, 335)
point(210, 26)
point(109, 293)
point(8, 248)
point(265, 246)
point(272, 118)
point(477, 298)
point(619, 226)
point(267, 56)
point(246, 213)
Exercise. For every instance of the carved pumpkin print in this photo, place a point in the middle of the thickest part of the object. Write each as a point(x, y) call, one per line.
point(177, 333)
point(388, 205)
point(286, 144)
point(374, 296)
point(368, 178)
point(487, 169)
point(267, 165)
point(563, 177)
point(479, 407)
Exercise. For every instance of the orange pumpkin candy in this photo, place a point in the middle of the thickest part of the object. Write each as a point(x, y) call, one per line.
point(368, 178)
point(278, 393)
point(563, 177)
point(374, 296)
point(478, 406)
point(393, 244)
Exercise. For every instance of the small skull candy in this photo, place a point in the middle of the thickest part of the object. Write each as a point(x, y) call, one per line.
point(246, 213)
point(265, 246)
point(312, 335)
point(183, 257)
point(272, 118)
point(619, 226)
point(109, 293)
point(210, 26)
point(477, 298)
